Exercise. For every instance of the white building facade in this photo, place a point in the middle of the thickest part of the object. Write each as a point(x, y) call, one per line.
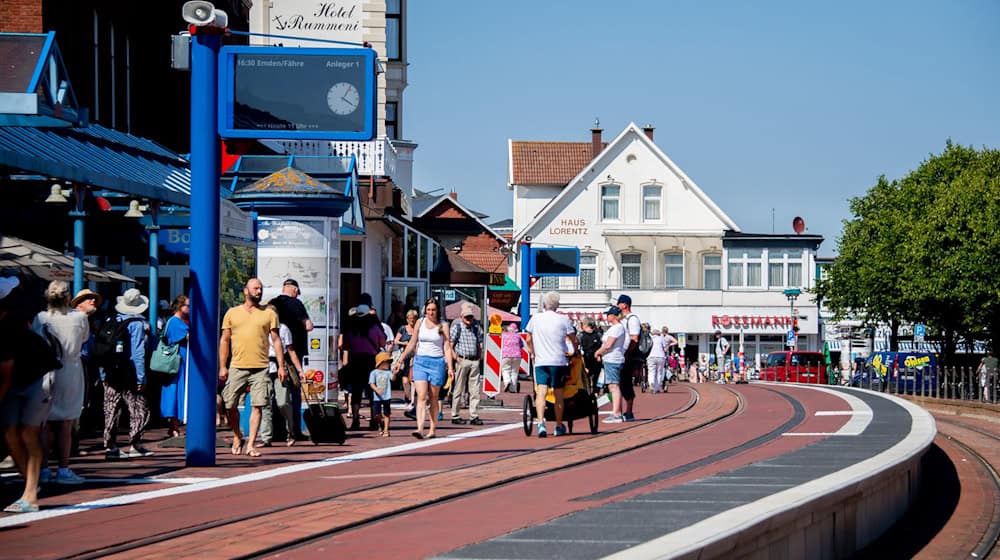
point(644, 228)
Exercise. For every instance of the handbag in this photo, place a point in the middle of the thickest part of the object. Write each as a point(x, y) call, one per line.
point(166, 359)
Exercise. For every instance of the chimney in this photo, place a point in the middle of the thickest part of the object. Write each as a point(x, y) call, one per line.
point(453, 195)
point(648, 129)
point(596, 145)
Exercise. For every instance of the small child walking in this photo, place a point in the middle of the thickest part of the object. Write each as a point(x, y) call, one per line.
point(380, 381)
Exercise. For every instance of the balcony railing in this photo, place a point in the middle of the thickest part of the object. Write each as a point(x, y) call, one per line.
point(377, 157)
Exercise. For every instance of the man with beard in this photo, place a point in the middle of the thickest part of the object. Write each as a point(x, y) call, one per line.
point(246, 330)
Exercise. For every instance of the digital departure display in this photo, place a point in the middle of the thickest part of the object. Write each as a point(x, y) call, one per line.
point(275, 92)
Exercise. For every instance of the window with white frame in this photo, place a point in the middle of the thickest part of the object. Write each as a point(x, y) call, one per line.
point(745, 268)
point(673, 270)
point(631, 270)
point(784, 268)
point(548, 283)
point(610, 195)
point(588, 272)
point(651, 203)
point(711, 266)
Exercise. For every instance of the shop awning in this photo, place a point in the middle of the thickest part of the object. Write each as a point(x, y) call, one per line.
point(49, 264)
point(99, 157)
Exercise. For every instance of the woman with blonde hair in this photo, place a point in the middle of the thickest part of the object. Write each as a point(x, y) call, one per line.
point(434, 355)
point(70, 329)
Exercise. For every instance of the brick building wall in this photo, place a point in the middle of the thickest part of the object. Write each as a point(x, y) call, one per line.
point(21, 16)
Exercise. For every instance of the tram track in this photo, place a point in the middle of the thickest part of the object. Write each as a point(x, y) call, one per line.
point(990, 540)
point(166, 540)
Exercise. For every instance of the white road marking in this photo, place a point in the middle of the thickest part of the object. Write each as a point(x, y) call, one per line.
point(22, 518)
point(381, 475)
point(861, 417)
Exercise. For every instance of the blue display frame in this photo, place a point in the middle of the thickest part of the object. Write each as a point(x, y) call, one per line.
point(536, 251)
point(367, 88)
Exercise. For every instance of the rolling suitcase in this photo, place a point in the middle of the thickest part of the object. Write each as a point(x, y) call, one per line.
point(323, 420)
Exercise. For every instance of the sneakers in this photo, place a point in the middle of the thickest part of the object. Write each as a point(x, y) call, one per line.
point(45, 476)
point(614, 419)
point(67, 476)
point(115, 454)
point(440, 416)
point(138, 451)
point(477, 421)
point(541, 431)
point(628, 417)
point(560, 430)
point(459, 420)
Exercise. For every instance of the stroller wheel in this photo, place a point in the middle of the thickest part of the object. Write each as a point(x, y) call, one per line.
point(528, 414)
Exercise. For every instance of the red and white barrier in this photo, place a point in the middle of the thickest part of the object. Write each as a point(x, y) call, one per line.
point(492, 380)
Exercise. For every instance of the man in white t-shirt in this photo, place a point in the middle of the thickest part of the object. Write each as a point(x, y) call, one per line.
point(633, 360)
point(548, 332)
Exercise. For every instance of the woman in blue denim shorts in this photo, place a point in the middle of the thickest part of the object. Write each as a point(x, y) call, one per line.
point(612, 355)
point(434, 356)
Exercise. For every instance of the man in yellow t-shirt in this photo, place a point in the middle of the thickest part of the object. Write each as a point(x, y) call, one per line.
point(246, 330)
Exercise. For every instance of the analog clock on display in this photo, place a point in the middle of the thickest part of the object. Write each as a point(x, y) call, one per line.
point(343, 98)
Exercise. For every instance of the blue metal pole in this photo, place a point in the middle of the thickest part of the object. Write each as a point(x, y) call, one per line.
point(204, 338)
point(78, 215)
point(154, 264)
point(524, 308)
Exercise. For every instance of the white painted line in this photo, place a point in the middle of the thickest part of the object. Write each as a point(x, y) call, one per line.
point(840, 412)
point(732, 522)
point(22, 518)
point(861, 417)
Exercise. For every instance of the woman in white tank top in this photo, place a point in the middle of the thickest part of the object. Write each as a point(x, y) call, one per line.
point(434, 356)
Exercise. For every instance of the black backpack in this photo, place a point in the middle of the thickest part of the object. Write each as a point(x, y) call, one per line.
point(113, 345)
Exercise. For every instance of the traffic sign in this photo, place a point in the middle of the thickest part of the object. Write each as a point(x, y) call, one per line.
point(790, 338)
point(681, 339)
point(919, 331)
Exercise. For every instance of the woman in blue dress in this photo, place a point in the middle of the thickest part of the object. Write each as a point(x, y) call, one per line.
point(173, 397)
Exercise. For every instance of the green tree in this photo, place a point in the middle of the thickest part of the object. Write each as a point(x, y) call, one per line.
point(925, 248)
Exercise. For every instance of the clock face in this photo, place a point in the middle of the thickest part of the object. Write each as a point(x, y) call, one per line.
point(343, 98)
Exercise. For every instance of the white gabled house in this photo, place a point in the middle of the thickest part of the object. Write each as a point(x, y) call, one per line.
point(646, 229)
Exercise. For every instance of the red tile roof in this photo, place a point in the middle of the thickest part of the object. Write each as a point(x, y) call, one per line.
point(548, 163)
point(490, 261)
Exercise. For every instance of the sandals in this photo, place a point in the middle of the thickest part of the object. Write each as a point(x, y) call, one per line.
point(237, 446)
point(20, 506)
point(251, 452)
point(417, 435)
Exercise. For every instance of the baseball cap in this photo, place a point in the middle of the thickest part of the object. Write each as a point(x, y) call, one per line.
point(467, 310)
point(625, 299)
point(363, 310)
point(613, 311)
point(291, 282)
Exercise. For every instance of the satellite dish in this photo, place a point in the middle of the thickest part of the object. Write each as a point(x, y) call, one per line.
point(798, 224)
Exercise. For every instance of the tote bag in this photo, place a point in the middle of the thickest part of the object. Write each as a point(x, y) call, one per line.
point(166, 359)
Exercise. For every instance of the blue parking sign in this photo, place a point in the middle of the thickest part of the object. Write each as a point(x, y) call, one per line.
point(790, 338)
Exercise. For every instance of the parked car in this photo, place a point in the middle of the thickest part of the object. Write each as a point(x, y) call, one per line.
point(795, 367)
point(899, 372)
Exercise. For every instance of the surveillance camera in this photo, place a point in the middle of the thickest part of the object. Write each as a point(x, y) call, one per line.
point(527, 239)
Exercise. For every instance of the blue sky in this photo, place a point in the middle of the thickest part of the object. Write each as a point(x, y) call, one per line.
point(791, 105)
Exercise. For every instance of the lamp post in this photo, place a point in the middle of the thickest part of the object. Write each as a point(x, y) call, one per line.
point(79, 215)
point(792, 294)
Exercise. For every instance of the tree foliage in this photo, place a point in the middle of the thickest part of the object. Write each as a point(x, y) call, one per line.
point(925, 248)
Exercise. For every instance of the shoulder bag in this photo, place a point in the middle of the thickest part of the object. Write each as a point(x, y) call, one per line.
point(166, 359)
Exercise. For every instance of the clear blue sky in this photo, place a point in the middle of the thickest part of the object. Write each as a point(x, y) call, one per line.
point(791, 105)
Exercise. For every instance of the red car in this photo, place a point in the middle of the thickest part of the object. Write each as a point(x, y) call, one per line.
point(795, 367)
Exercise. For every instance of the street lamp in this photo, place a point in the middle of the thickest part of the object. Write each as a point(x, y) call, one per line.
point(792, 294)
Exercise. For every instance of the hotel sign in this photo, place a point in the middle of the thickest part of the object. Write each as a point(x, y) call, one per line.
point(776, 322)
